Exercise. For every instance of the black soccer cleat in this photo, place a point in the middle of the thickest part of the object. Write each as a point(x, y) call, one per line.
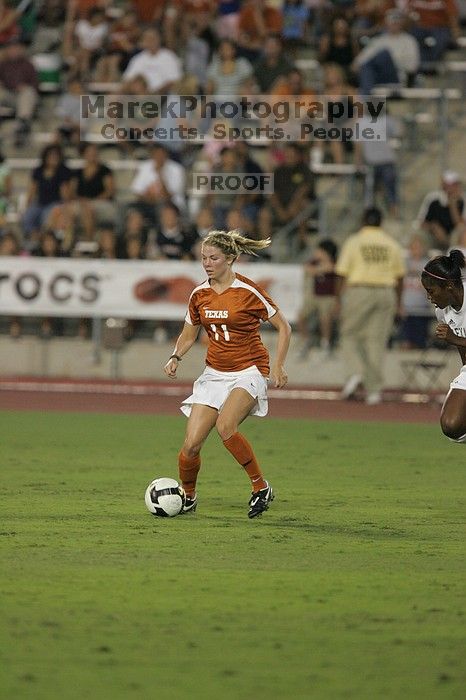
point(259, 501)
point(189, 506)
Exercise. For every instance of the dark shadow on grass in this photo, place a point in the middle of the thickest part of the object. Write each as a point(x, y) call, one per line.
point(383, 532)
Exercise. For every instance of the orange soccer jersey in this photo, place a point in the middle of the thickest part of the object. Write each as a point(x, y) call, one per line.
point(232, 321)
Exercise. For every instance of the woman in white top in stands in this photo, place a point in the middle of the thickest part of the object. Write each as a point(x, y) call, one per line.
point(445, 285)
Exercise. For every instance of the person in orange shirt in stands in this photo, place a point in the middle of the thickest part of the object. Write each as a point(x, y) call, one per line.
point(257, 21)
point(230, 308)
point(9, 28)
point(149, 11)
point(79, 9)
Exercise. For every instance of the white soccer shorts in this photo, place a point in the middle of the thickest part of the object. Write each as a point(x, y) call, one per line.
point(213, 388)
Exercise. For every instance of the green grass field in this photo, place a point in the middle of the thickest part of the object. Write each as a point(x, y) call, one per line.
point(351, 586)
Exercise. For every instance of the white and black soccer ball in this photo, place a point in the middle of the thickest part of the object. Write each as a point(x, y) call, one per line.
point(165, 497)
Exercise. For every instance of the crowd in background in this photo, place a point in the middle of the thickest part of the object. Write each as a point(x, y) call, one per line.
point(214, 47)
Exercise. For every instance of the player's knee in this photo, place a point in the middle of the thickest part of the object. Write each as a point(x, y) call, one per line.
point(225, 427)
point(452, 427)
point(191, 447)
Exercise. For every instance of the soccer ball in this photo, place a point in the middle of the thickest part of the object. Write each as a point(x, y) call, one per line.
point(164, 497)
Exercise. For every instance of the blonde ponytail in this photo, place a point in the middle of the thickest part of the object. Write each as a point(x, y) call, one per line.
point(234, 243)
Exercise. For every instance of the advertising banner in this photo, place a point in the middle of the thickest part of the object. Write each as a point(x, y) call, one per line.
point(125, 289)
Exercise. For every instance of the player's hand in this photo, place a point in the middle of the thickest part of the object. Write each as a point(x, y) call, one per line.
point(279, 376)
point(444, 332)
point(171, 367)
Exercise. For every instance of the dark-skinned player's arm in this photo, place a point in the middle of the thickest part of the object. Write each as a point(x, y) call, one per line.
point(444, 332)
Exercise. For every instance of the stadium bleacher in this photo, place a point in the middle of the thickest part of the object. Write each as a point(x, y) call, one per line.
point(432, 112)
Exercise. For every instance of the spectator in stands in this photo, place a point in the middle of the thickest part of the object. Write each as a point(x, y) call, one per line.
point(167, 127)
point(369, 19)
point(257, 21)
point(436, 26)
point(137, 86)
point(319, 296)
point(70, 221)
point(204, 222)
point(9, 28)
point(295, 32)
point(124, 36)
point(157, 181)
point(237, 220)
point(391, 58)
point(272, 65)
point(442, 210)
point(159, 66)
point(227, 19)
point(81, 8)
point(18, 87)
point(221, 200)
point(338, 46)
point(215, 140)
point(294, 189)
point(459, 238)
point(133, 248)
point(227, 72)
point(195, 52)
point(9, 245)
point(67, 110)
point(49, 247)
point(135, 225)
point(371, 267)
point(179, 13)
point(292, 86)
point(51, 183)
point(51, 15)
point(416, 310)
point(149, 11)
point(252, 202)
point(108, 242)
point(380, 157)
point(338, 91)
point(91, 34)
point(95, 188)
point(174, 241)
point(6, 190)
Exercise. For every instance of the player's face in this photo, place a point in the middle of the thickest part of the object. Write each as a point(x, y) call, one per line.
point(436, 294)
point(215, 262)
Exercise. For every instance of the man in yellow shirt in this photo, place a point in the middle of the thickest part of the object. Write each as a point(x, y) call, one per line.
point(371, 270)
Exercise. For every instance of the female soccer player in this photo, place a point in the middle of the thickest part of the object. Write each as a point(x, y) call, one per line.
point(445, 287)
point(234, 384)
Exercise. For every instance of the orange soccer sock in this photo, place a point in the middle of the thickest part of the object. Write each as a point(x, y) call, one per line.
point(188, 468)
point(242, 452)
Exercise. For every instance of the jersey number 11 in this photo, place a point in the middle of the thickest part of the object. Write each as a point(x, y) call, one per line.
point(226, 335)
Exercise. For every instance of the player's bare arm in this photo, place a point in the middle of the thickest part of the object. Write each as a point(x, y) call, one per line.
point(279, 376)
point(185, 341)
point(444, 332)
